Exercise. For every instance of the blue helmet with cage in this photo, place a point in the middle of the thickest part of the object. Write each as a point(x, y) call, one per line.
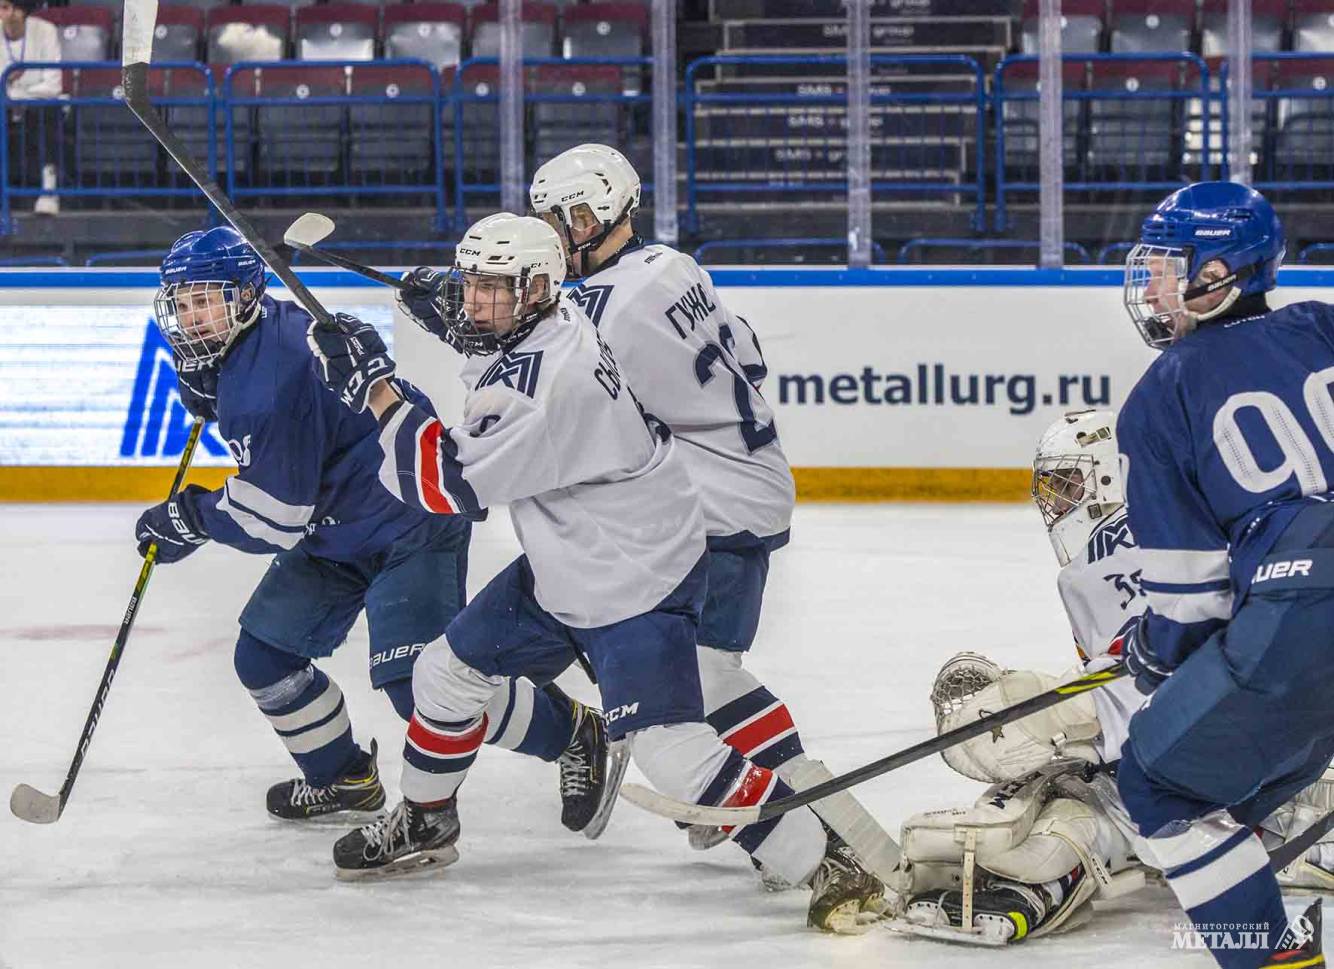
point(211, 284)
point(1206, 222)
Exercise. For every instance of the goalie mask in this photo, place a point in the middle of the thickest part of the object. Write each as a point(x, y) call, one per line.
point(1230, 228)
point(1077, 478)
point(507, 275)
point(211, 283)
point(587, 189)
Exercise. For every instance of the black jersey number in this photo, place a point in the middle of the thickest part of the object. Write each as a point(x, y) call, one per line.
point(754, 434)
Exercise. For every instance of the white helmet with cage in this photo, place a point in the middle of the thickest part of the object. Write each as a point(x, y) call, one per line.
point(1077, 478)
point(507, 274)
point(586, 186)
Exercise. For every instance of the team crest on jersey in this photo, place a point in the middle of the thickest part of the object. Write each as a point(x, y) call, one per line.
point(516, 370)
point(592, 300)
point(1111, 536)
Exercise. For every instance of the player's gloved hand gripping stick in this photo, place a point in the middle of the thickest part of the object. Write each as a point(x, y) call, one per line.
point(27, 802)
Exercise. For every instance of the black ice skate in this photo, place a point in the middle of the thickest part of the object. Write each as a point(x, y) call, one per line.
point(1301, 945)
point(845, 897)
point(1004, 912)
point(353, 798)
point(591, 770)
point(411, 839)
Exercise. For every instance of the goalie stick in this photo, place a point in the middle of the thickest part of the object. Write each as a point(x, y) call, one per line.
point(688, 813)
point(30, 804)
point(137, 46)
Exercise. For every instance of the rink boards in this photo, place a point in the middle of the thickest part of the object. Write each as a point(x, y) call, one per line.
point(887, 383)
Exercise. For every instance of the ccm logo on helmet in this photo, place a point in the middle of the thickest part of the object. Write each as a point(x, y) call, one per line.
point(469, 252)
point(572, 195)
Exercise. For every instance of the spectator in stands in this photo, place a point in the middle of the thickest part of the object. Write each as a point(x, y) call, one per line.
point(33, 132)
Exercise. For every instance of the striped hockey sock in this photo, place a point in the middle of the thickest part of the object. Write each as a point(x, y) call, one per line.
point(437, 755)
point(758, 726)
point(308, 714)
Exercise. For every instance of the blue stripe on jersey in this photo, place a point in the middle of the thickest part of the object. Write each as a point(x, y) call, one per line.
point(1185, 588)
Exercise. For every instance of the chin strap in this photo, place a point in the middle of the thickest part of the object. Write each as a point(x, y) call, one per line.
point(1231, 279)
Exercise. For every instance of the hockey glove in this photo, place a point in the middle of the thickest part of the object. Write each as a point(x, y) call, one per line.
point(199, 390)
point(175, 526)
point(351, 358)
point(420, 302)
point(1148, 671)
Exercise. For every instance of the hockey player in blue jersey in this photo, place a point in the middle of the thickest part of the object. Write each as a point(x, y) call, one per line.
point(307, 492)
point(1228, 447)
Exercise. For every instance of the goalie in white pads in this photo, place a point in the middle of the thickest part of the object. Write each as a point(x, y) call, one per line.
point(1050, 834)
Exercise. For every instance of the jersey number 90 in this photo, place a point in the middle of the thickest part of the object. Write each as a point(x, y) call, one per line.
point(1299, 451)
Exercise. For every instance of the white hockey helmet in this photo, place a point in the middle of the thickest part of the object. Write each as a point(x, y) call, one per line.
point(1077, 478)
point(491, 300)
point(585, 186)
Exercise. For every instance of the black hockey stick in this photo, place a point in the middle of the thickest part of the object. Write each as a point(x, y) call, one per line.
point(1289, 851)
point(30, 804)
point(137, 45)
point(724, 816)
point(306, 232)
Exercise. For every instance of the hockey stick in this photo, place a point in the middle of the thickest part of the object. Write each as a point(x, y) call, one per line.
point(667, 807)
point(1289, 851)
point(303, 235)
point(30, 804)
point(137, 45)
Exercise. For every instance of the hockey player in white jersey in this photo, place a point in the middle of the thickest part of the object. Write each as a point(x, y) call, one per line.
point(1051, 834)
point(613, 567)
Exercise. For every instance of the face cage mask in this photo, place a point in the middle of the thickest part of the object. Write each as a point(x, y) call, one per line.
point(467, 335)
point(1164, 269)
point(1061, 484)
point(206, 331)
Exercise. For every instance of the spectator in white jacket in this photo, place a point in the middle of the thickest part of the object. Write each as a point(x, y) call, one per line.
point(34, 143)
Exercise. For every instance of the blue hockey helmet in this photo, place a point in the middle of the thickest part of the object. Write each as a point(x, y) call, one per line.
point(211, 283)
point(1191, 228)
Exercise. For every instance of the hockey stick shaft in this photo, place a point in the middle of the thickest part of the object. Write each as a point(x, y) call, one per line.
point(1289, 851)
point(31, 796)
point(140, 18)
point(333, 259)
point(702, 814)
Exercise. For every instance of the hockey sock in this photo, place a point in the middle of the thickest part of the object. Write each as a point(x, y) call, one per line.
point(747, 717)
point(304, 706)
point(525, 719)
point(437, 755)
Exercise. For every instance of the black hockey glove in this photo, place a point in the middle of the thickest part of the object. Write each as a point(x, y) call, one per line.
point(351, 358)
point(1147, 669)
point(198, 389)
point(175, 525)
point(420, 302)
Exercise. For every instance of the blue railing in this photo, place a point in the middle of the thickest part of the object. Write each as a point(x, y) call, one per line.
point(1129, 139)
point(922, 245)
point(705, 249)
point(1315, 249)
point(795, 154)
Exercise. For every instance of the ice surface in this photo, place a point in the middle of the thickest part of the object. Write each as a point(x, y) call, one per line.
point(165, 857)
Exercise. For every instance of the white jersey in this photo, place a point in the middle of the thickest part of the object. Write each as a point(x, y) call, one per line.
point(1102, 596)
point(696, 366)
point(601, 502)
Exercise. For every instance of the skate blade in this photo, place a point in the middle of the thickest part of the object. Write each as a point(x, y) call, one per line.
point(618, 759)
point(702, 837)
point(421, 863)
point(941, 933)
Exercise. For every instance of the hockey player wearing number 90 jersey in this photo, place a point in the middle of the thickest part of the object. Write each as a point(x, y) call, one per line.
point(1228, 444)
point(613, 567)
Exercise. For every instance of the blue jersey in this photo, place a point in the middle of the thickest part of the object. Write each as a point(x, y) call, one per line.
point(308, 466)
point(1225, 437)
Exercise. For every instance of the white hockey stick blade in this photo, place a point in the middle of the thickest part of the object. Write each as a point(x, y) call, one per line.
point(669, 807)
point(618, 759)
point(309, 230)
point(29, 804)
point(873, 845)
point(140, 19)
